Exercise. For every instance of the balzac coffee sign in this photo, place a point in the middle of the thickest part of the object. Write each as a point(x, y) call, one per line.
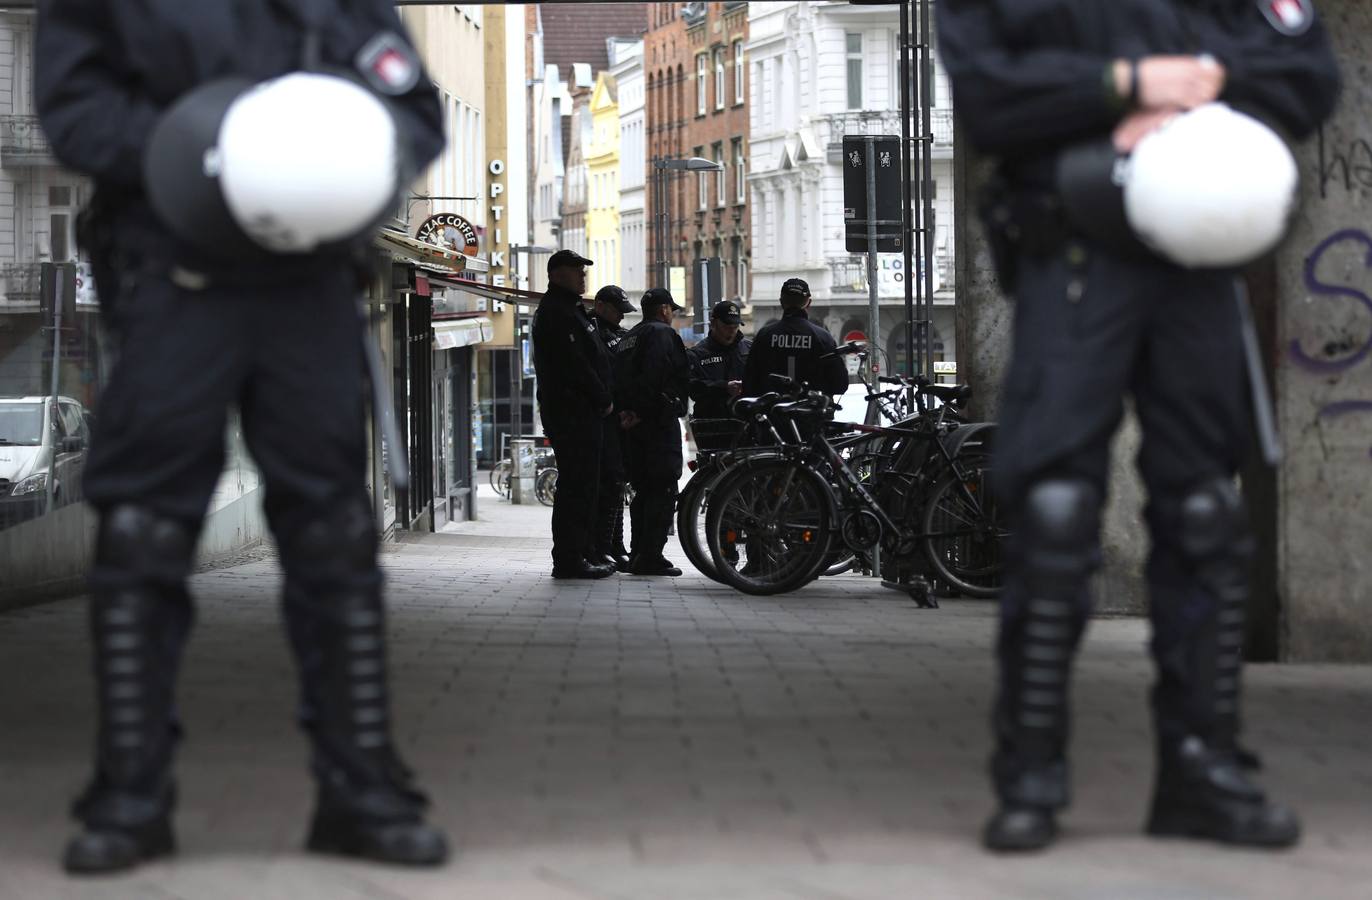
point(449, 231)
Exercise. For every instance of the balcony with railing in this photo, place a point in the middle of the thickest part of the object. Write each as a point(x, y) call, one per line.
point(848, 275)
point(864, 122)
point(21, 286)
point(23, 143)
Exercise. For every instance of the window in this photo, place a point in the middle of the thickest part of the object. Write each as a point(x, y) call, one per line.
point(740, 172)
point(721, 177)
point(700, 85)
point(61, 224)
point(854, 47)
point(719, 78)
point(738, 72)
point(702, 186)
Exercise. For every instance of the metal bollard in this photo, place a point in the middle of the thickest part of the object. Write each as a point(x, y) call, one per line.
point(525, 468)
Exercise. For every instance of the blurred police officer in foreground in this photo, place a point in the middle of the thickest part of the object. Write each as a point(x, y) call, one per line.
point(717, 363)
point(1094, 320)
point(257, 309)
point(575, 399)
point(795, 347)
point(611, 306)
point(651, 374)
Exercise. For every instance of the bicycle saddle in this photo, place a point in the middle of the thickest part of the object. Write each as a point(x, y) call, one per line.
point(950, 393)
point(746, 406)
point(799, 409)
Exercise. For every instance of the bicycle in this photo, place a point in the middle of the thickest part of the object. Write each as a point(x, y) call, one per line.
point(545, 485)
point(785, 515)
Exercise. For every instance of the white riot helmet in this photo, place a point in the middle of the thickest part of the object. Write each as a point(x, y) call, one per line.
point(288, 166)
point(1212, 189)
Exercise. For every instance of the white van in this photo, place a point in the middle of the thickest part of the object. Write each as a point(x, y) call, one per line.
point(40, 438)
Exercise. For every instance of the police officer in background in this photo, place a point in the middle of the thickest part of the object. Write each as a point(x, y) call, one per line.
point(575, 400)
point(1093, 321)
point(651, 374)
point(276, 334)
point(611, 306)
point(717, 363)
point(795, 347)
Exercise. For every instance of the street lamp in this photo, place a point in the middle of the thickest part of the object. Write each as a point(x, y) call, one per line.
point(662, 221)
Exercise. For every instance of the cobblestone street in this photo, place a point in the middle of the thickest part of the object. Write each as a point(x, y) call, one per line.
point(636, 739)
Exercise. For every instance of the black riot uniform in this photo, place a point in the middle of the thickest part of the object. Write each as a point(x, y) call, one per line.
point(282, 341)
point(609, 532)
point(574, 393)
point(651, 375)
point(795, 347)
point(1031, 79)
point(713, 366)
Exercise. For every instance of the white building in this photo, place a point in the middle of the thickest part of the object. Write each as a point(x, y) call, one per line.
point(627, 69)
point(821, 70)
point(551, 102)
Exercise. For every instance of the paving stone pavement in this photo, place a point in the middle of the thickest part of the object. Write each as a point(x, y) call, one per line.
point(637, 739)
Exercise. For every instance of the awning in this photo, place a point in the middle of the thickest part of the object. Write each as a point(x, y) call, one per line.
point(452, 333)
point(420, 252)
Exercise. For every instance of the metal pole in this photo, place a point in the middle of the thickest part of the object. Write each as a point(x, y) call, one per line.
point(873, 300)
point(909, 155)
point(58, 277)
point(926, 71)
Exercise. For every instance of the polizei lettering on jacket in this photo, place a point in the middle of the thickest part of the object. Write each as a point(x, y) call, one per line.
point(792, 341)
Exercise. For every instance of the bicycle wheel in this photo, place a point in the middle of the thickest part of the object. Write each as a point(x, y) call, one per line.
point(964, 532)
point(500, 477)
point(545, 486)
point(769, 526)
point(690, 521)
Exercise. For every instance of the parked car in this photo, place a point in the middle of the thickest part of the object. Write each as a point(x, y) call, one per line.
point(41, 439)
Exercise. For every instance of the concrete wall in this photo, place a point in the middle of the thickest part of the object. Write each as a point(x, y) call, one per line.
point(984, 323)
point(1324, 374)
point(48, 557)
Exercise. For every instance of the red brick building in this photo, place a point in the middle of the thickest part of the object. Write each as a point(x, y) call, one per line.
point(697, 94)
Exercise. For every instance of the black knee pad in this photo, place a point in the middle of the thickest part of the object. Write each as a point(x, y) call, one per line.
point(135, 539)
point(343, 537)
point(1059, 528)
point(1212, 521)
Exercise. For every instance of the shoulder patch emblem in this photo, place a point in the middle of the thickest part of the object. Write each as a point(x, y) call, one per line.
point(1291, 17)
point(389, 64)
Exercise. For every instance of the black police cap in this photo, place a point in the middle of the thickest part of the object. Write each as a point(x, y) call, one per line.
point(656, 297)
point(567, 258)
point(796, 287)
point(614, 295)
point(727, 311)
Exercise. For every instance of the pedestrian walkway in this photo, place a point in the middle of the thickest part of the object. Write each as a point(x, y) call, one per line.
point(656, 739)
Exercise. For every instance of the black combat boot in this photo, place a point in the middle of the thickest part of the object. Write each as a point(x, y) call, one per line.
point(139, 618)
point(1204, 792)
point(367, 805)
point(1044, 611)
point(1020, 828)
point(1203, 787)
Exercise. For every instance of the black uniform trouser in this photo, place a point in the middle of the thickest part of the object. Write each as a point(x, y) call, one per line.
point(289, 357)
point(1085, 335)
point(609, 530)
point(652, 458)
point(577, 447)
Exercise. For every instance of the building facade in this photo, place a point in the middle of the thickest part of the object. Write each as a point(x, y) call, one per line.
point(602, 179)
point(627, 72)
point(697, 105)
point(820, 71)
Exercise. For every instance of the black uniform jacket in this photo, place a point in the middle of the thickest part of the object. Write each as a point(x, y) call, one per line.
point(1029, 76)
point(713, 366)
point(794, 347)
point(572, 364)
point(610, 335)
point(105, 71)
point(651, 374)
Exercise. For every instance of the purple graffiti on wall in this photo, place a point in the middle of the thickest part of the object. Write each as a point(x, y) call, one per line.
point(1337, 356)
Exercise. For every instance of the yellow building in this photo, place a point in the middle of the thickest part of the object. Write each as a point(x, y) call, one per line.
point(602, 188)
